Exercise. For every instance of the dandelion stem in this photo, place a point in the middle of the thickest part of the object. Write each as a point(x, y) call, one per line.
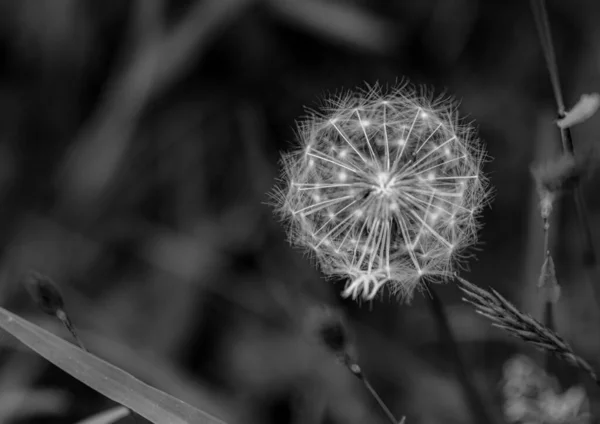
point(589, 252)
point(479, 410)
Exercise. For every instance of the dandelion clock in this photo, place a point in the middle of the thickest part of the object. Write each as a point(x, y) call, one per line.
point(384, 188)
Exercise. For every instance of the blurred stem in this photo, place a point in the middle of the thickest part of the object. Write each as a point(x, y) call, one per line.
point(543, 26)
point(590, 258)
point(480, 412)
point(549, 322)
point(311, 405)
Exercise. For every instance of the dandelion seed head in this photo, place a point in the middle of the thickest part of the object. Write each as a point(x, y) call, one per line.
point(390, 193)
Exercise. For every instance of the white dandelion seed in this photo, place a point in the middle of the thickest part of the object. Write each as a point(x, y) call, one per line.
point(397, 203)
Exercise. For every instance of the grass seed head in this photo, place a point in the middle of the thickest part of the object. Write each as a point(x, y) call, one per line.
point(384, 187)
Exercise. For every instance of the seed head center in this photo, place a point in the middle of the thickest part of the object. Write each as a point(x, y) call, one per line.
point(384, 184)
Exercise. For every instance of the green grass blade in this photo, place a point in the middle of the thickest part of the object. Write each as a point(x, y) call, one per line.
point(114, 383)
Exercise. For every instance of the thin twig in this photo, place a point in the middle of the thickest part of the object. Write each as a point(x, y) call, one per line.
point(357, 372)
point(543, 26)
point(548, 305)
point(590, 258)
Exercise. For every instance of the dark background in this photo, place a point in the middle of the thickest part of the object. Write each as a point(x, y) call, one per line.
point(139, 139)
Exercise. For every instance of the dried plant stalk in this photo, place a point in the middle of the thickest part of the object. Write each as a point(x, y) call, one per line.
point(506, 316)
point(590, 257)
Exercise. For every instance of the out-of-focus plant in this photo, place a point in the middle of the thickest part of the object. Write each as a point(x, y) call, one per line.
point(532, 396)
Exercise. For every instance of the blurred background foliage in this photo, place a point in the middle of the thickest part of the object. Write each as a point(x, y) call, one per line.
point(139, 139)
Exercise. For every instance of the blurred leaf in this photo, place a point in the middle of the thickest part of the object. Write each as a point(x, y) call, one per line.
point(51, 30)
point(107, 417)
point(585, 108)
point(23, 404)
point(104, 140)
point(350, 24)
point(152, 404)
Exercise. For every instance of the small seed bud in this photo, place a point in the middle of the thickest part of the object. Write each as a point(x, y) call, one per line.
point(48, 298)
point(333, 335)
point(326, 326)
point(44, 293)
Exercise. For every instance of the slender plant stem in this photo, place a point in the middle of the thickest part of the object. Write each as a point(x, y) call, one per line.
point(383, 406)
point(357, 371)
point(480, 412)
point(543, 26)
point(546, 228)
point(548, 322)
point(66, 321)
point(548, 305)
point(590, 258)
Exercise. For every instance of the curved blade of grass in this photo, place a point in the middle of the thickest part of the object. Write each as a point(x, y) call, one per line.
point(114, 383)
